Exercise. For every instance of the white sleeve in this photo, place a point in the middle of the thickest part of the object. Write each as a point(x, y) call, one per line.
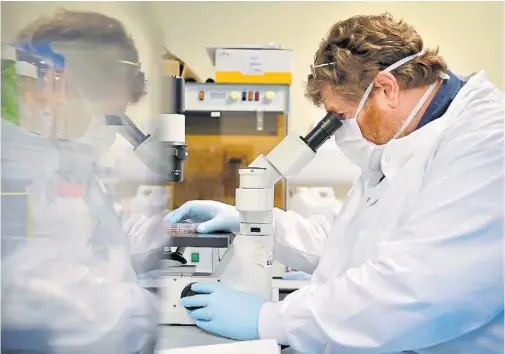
point(299, 241)
point(440, 279)
point(146, 237)
point(77, 303)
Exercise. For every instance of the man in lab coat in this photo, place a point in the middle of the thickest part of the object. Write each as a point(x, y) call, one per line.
point(413, 261)
point(71, 286)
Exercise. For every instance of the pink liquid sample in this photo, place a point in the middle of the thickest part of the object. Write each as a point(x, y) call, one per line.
point(181, 228)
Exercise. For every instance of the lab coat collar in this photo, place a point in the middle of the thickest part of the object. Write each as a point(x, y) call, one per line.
point(399, 151)
point(393, 156)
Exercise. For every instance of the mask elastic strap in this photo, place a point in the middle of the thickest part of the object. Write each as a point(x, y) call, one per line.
point(404, 61)
point(415, 110)
point(419, 104)
point(363, 100)
point(388, 69)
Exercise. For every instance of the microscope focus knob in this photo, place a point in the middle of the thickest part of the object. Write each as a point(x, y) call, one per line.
point(188, 292)
point(234, 95)
point(269, 95)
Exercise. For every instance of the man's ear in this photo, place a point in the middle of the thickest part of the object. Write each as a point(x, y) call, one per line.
point(387, 88)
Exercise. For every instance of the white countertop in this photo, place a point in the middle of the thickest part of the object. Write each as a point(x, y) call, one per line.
point(172, 337)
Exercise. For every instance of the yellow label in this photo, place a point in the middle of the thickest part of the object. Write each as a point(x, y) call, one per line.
point(236, 77)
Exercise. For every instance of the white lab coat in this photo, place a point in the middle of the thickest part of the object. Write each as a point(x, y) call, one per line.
point(416, 262)
point(75, 280)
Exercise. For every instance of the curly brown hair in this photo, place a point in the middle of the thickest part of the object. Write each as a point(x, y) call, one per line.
point(362, 46)
point(111, 43)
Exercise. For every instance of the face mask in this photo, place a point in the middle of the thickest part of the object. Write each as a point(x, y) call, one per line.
point(353, 145)
point(98, 135)
point(44, 122)
point(38, 121)
point(350, 139)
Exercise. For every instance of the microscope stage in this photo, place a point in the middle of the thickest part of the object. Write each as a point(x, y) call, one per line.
point(214, 240)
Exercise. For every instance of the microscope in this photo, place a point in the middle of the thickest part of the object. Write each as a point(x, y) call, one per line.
point(163, 154)
point(253, 245)
point(247, 263)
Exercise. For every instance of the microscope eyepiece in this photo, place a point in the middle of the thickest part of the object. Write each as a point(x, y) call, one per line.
point(127, 128)
point(323, 130)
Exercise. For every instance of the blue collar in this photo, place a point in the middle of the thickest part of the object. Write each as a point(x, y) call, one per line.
point(442, 100)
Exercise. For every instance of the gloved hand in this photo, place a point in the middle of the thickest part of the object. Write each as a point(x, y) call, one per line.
point(296, 276)
point(216, 216)
point(146, 238)
point(227, 312)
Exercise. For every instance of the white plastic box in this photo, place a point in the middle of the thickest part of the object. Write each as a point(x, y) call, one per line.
point(262, 65)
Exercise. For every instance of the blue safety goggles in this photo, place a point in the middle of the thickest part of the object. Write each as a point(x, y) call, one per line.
point(44, 58)
point(47, 60)
point(41, 55)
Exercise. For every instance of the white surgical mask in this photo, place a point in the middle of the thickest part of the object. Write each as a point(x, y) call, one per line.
point(353, 145)
point(350, 139)
point(37, 120)
point(46, 122)
point(98, 135)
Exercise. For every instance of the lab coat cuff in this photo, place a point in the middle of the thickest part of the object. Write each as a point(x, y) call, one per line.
point(277, 214)
point(270, 324)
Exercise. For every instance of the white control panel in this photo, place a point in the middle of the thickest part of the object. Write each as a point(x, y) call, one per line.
point(236, 97)
point(201, 258)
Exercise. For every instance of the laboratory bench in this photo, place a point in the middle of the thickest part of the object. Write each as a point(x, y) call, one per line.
point(173, 337)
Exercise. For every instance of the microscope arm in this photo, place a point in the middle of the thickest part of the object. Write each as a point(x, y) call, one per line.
point(163, 158)
point(254, 199)
point(294, 152)
point(165, 152)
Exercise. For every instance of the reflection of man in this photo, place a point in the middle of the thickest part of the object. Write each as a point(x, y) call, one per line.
point(74, 278)
point(414, 259)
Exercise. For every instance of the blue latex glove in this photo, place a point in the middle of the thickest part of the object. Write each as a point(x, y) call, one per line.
point(216, 216)
point(296, 276)
point(225, 311)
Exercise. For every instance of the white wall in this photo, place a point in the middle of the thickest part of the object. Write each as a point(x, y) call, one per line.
point(135, 16)
point(470, 34)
